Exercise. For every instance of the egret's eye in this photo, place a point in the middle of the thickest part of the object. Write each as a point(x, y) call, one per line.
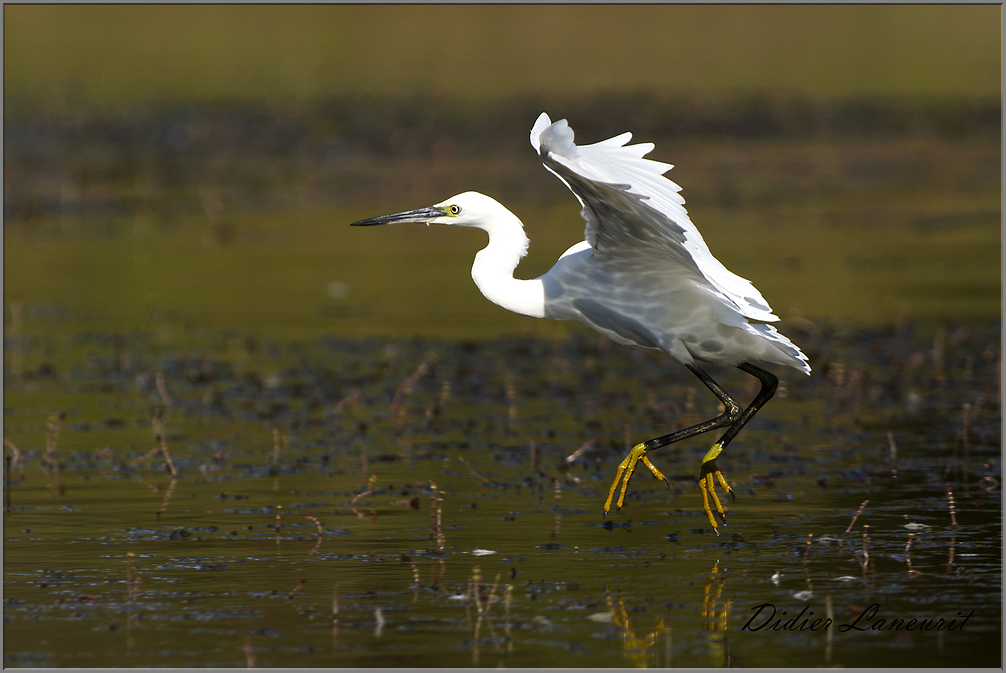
point(454, 210)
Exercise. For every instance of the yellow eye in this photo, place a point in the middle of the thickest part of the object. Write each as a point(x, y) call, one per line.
point(454, 210)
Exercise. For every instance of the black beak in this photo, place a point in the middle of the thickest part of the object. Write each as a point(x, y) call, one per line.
point(422, 215)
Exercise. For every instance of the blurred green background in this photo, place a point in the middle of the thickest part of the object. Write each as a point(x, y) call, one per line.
point(121, 54)
point(191, 168)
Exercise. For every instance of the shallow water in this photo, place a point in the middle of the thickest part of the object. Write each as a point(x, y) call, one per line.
point(109, 561)
point(204, 286)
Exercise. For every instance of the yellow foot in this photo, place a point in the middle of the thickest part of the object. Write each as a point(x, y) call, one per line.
point(707, 484)
point(626, 468)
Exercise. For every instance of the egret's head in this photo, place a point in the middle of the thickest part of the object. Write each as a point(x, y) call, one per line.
point(469, 209)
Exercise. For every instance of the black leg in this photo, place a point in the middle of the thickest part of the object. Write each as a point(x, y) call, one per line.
point(769, 383)
point(710, 474)
point(731, 413)
point(732, 418)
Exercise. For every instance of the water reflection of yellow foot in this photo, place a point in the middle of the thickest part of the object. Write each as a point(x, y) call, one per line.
point(708, 477)
point(716, 618)
point(635, 648)
point(625, 469)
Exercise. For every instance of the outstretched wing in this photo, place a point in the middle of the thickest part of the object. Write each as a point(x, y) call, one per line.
point(634, 213)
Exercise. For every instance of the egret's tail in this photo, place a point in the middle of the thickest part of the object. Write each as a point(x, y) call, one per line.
point(790, 354)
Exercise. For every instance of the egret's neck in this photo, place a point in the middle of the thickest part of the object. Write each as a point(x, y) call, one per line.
point(494, 266)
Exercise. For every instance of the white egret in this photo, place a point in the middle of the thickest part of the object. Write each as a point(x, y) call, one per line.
point(643, 277)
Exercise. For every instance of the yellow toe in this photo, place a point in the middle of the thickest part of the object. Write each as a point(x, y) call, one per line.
point(624, 474)
point(709, 477)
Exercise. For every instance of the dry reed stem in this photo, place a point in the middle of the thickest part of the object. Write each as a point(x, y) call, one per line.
point(108, 452)
point(152, 487)
point(275, 445)
point(806, 566)
point(468, 600)
point(477, 588)
point(162, 390)
point(507, 596)
point(360, 515)
point(441, 538)
point(965, 437)
point(437, 537)
point(369, 491)
point(147, 456)
point(52, 429)
point(129, 576)
point(586, 445)
point(218, 457)
point(51, 455)
point(16, 451)
point(856, 516)
point(354, 399)
point(157, 422)
point(534, 455)
point(435, 579)
point(160, 450)
point(249, 655)
point(321, 532)
point(473, 472)
point(167, 457)
point(167, 498)
point(316, 523)
point(405, 389)
point(279, 513)
point(908, 558)
point(433, 513)
point(297, 588)
point(866, 552)
point(492, 592)
point(950, 558)
point(511, 396)
point(953, 509)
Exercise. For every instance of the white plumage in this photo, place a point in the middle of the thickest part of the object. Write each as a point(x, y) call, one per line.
point(663, 287)
point(643, 276)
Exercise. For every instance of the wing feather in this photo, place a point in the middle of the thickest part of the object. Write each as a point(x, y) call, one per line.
point(634, 213)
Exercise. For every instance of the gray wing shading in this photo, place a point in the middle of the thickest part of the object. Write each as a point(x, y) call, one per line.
point(636, 215)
